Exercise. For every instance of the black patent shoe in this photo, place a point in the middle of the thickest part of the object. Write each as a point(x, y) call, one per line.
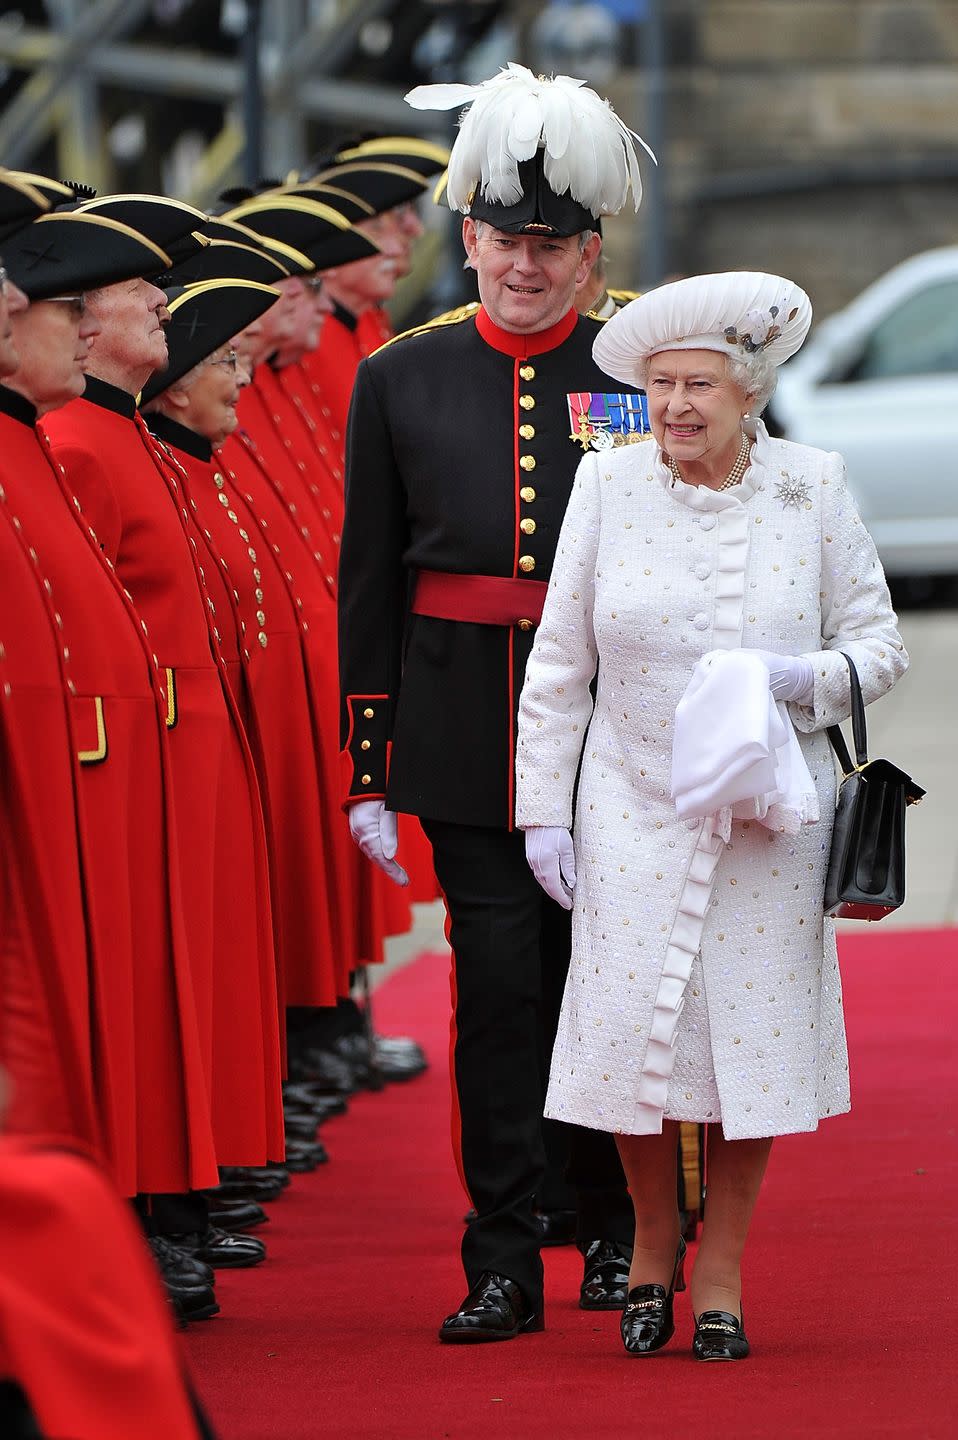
point(647, 1320)
point(494, 1309)
point(605, 1280)
point(719, 1336)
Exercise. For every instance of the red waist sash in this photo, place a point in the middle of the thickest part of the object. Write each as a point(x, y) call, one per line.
point(479, 599)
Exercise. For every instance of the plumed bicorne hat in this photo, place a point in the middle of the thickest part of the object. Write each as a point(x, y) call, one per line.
point(536, 156)
point(316, 230)
point(202, 318)
point(171, 224)
point(67, 251)
point(20, 204)
point(739, 313)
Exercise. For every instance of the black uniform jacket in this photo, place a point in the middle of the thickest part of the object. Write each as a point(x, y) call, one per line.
point(460, 458)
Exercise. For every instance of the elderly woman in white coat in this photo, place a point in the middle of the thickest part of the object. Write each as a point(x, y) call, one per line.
point(704, 983)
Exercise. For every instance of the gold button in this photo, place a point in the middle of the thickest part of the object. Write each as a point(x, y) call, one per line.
point(365, 745)
point(527, 494)
point(257, 574)
point(224, 500)
point(261, 616)
point(218, 481)
point(525, 624)
point(527, 372)
point(527, 402)
point(528, 527)
point(259, 596)
point(528, 432)
point(369, 712)
point(528, 462)
point(367, 779)
point(526, 563)
point(263, 638)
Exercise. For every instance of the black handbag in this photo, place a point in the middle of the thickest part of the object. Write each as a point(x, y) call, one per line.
point(866, 866)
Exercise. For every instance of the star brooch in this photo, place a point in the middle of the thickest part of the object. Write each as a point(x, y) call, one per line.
point(791, 491)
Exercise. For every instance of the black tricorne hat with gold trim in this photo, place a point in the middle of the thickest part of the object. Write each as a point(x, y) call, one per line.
point(378, 184)
point(314, 229)
point(536, 156)
point(202, 318)
point(171, 224)
point(411, 152)
point(67, 251)
point(218, 227)
point(20, 204)
point(227, 260)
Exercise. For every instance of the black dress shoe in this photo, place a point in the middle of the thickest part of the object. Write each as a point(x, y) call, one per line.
point(223, 1250)
point(298, 1126)
point(605, 1280)
point(248, 1187)
point(276, 1173)
point(303, 1156)
point(315, 1097)
point(494, 1309)
point(401, 1047)
point(235, 1215)
point(719, 1336)
point(558, 1227)
point(193, 1305)
point(177, 1264)
point(647, 1320)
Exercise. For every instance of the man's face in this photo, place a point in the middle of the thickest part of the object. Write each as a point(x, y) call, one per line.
point(131, 316)
point(373, 280)
point(54, 339)
point(408, 228)
point(273, 331)
point(526, 282)
point(306, 322)
point(12, 303)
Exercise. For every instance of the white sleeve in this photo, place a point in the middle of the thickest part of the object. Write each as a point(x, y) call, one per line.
point(556, 701)
point(857, 615)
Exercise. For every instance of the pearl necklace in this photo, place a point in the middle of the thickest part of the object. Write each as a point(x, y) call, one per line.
point(734, 475)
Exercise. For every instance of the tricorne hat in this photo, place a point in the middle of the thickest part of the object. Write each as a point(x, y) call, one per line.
point(20, 203)
point(738, 312)
point(314, 229)
point(536, 155)
point(171, 224)
point(202, 318)
point(69, 251)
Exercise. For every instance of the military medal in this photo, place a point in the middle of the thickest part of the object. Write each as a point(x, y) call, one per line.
point(601, 422)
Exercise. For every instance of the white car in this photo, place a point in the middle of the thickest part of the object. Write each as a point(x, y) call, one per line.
point(878, 381)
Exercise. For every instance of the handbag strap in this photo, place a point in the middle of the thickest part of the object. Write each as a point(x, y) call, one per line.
point(858, 724)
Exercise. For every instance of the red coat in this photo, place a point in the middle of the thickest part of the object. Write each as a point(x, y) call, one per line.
point(130, 496)
point(151, 1088)
point(44, 990)
point(84, 1325)
point(333, 364)
point(266, 629)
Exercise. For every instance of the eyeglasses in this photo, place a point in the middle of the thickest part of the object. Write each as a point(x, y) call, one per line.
point(230, 358)
point(314, 283)
point(76, 302)
point(4, 277)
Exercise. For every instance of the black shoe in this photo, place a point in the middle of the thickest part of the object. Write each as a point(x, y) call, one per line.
point(235, 1215)
point(401, 1047)
point(223, 1250)
point(303, 1156)
point(558, 1227)
point(314, 1097)
point(193, 1305)
point(647, 1321)
point(298, 1126)
point(324, 1069)
point(719, 1336)
point(178, 1265)
point(247, 1186)
point(397, 1065)
point(276, 1173)
point(605, 1280)
point(494, 1309)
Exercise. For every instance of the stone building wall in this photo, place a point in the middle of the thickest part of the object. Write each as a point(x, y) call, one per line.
point(814, 137)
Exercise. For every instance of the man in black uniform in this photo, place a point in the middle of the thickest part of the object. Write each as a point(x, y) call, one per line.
point(464, 438)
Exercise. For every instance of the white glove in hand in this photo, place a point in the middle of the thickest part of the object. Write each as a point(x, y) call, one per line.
point(552, 861)
point(790, 677)
point(376, 831)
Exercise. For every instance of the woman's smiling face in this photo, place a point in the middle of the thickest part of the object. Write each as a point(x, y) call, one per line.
point(695, 409)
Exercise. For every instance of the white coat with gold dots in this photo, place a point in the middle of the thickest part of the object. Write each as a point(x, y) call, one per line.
point(704, 982)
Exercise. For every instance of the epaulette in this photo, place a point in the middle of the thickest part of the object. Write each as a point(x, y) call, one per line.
point(449, 317)
point(622, 297)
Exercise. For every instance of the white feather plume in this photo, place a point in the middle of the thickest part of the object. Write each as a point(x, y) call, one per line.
point(589, 151)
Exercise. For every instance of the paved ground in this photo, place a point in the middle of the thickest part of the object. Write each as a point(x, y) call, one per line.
point(915, 727)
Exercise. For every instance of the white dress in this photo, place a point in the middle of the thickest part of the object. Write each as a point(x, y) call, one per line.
point(704, 982)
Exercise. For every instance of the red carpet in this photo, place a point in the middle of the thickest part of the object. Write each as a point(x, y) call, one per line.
point(850, 1283)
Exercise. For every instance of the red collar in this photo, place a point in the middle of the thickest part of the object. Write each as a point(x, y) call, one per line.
point(520, 347)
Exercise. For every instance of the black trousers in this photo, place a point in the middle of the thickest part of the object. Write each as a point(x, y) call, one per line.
point(511, 947)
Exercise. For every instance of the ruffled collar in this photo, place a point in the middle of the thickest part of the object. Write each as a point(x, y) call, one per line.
point(700, 497)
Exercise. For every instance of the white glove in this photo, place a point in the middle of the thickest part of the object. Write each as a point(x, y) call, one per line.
point(552, 861)
point(376, 831)
point(790, 677)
